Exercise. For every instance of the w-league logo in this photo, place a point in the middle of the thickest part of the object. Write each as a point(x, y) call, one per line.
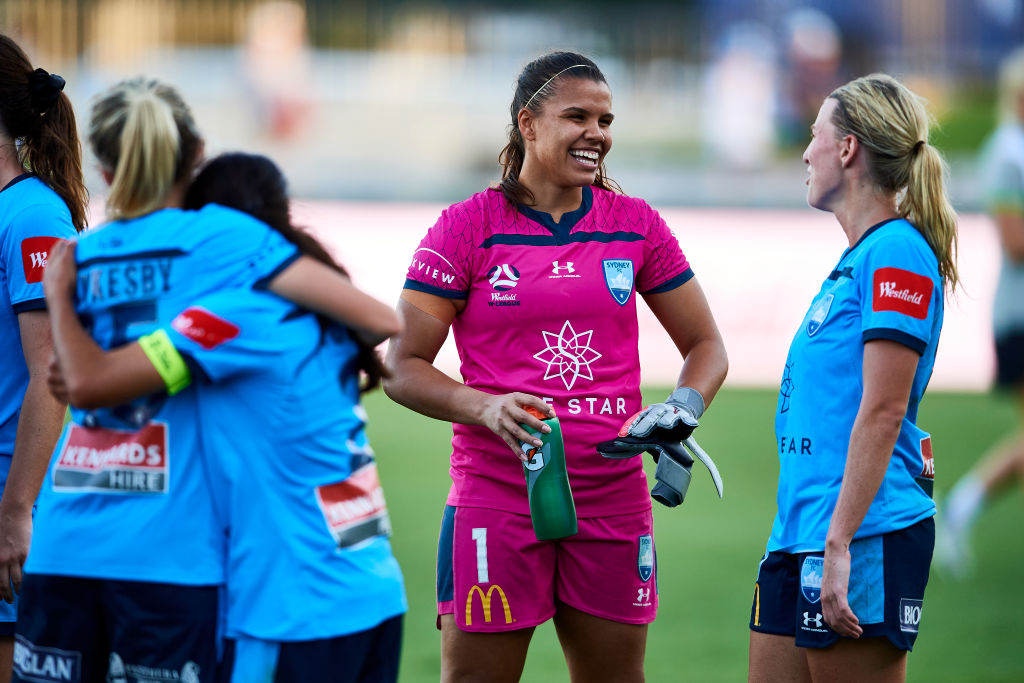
point(503, 277)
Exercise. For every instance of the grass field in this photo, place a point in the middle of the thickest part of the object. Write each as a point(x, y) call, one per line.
point(971, 630)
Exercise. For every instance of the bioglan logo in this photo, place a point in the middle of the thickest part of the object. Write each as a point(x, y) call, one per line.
point(902, 291)
point(34, 251)
point(485, 603)
point(45, 664)
point(910, 615)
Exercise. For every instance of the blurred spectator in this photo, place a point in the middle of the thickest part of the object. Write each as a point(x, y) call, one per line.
point(277, 67)
point(1002, 177)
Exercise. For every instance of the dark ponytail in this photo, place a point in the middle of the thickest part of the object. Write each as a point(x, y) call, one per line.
point(535, 85)
point(253, 184)
point(34, 110)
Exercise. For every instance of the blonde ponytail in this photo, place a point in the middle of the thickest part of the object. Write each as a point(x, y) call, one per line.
point(143, 134)
point(891, 123)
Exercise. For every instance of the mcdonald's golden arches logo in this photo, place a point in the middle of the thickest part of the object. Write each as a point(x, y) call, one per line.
point(485, 601)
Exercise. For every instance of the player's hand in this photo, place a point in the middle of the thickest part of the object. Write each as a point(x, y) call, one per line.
point(675, 418)
point(835, 582)
point(503, 414)
point(15, 536)
point(55, 380)
point(61, 270)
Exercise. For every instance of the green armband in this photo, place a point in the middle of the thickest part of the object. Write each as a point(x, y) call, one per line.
point(167, 361)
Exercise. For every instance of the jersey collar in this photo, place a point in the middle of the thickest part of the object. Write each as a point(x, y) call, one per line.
point(569, 219)
point(16, 180)
point(867, 232)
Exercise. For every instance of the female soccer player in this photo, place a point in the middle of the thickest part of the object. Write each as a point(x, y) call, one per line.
point(127, 526)
point(537, 279)
point(1002, 176)
point(37, 208)
point(314, 593)
point(844, 574)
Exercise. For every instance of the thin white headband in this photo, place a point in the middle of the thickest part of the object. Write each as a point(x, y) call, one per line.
point(527, 105)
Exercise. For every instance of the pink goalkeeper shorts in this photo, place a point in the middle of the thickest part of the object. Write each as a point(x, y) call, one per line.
point(494, 575)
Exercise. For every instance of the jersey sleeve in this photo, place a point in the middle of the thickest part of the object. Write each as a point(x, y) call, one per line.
point(253, 252)
point(665, 267)
point(900, 293)
point(441, 263)
point(28, 239)
point(230, 333)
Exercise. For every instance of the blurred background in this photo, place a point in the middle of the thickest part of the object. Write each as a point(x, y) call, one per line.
point(383, 113)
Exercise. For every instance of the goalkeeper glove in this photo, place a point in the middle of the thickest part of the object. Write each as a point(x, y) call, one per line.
point(673, 420)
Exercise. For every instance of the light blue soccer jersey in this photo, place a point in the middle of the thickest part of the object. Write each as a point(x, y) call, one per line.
point(32, 218)
point(126, 496)
point(887, 286)
point(309, 556)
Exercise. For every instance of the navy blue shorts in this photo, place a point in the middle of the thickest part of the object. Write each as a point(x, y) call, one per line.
point(369, 656)
point(888, 575)
point(75, 630)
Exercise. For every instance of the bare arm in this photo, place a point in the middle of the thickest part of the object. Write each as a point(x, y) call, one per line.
point(685, 315)
point(417, 384)
point(1011, 233)
point(313, 285)
point(889, 369)
point(38, 428)
point(91, 376)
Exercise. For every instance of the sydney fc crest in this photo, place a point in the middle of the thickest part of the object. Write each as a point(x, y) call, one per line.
point(645, 557)
point(818, 314)
point(618, 275)
point(810, 577)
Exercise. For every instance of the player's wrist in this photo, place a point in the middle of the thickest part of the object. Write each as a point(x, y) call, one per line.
point(689, 398)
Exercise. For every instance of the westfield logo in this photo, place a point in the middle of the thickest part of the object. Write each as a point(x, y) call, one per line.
point(890, 290)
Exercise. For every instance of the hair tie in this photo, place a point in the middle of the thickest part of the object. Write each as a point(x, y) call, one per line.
point(918, 145)
point(574, 66)
point(44, 89)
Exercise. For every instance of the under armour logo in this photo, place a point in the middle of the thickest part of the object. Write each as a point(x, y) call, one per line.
point(816, 620)
point(643, 594)
point(557, 268)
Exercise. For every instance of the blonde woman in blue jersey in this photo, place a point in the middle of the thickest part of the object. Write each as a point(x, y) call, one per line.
point(129, 549)
point(42, 200)
point(839, 593)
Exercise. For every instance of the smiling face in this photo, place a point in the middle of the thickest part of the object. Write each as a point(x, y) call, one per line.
point(567, 140)
point(823, 157)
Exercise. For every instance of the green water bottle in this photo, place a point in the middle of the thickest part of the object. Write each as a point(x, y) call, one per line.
point(547, 482)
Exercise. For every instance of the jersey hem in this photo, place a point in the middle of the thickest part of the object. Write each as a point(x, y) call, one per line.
point(124, 574)
point(796, 549)
point(908, 340)
point(319, 635)
point(418, 286)
point(672, 283)
point(29, 305)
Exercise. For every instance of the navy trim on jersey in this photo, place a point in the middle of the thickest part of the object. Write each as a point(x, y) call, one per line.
point(445, 549)
point(18, 179)
point(30, 305)
point(867, 232)
point(436, 291)
point(156, 253)
point(196, 370)
point(896, 336)
point(264, 282)
point(569, 219)
point(561, 238)
point(845, 272)
point(677, 281)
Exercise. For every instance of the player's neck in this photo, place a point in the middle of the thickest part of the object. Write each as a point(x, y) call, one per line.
point(10, 165)
point(556, 201)
point(857, 217)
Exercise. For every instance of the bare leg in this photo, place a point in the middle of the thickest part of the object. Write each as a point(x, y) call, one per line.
point(6, 658)
point(776, 659)
point(597, 649)
point(468, 657)
point(854, 661)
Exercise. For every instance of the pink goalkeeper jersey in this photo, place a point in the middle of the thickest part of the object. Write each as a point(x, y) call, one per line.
point(550, 311)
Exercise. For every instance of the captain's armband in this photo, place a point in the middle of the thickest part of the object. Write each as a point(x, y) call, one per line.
point(167, 361)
